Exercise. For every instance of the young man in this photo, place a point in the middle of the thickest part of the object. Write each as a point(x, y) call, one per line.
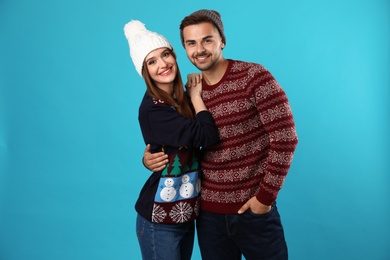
point(245, 171)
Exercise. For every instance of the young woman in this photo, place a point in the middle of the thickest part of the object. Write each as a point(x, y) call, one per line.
point(178, 124)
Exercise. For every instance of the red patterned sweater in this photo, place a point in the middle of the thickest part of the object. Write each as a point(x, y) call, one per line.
point(257, 139)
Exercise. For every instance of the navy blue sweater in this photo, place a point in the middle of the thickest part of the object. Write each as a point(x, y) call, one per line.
point(172, 196)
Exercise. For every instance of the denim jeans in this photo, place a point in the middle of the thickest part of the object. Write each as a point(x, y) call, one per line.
point(165, 241)
point(228, 237)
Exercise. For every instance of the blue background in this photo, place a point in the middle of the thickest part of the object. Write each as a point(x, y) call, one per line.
point(71, 148)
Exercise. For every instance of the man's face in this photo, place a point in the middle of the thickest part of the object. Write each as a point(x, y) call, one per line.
point(203, 45)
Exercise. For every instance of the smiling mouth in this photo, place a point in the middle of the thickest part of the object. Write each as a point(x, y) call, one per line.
point(201, 58)
point(166, 72)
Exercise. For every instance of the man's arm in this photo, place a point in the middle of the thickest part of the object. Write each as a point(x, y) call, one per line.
point(154, 161)
point(283, 141)
point(276, 116)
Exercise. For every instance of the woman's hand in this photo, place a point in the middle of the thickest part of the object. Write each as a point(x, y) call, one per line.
point(194, 89)
point(194, 86)
point(193, 79)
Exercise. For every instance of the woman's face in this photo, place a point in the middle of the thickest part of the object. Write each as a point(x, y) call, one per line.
point(162, 67)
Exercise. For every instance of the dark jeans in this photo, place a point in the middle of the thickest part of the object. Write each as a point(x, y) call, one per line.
point(228, 237)
point(165, 241)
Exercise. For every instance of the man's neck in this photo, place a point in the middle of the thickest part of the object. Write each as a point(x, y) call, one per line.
point(213, 75)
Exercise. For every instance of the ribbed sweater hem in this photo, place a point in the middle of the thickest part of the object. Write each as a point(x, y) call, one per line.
point(221, 208)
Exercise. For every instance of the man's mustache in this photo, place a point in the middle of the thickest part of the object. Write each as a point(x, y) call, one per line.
point(202, 54)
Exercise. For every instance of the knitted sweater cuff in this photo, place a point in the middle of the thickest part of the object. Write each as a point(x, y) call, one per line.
point(203, 115)
point(265, 197)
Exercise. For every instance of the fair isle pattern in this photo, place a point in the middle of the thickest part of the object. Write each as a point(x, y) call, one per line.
point(286, 134)
point(241, 83)
point(240, 128)
point(269, 89)
point(258, 139)
point(224, 88)
point(273, 180)
point(281, 158)
point(230, 175)
point(280, 111)
point(238, 151)
point(232, 107)
point(239, 66)
point(227, 196)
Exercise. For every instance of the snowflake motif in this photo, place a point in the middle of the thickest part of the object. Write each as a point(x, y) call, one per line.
point(229, 108)
point(227, 87)
point(276, 181)
point(181, 212)
point(248, 71)
point(281, 158)
point(239, 129)
point(239, 151)
point(269, 89)
point(284, 135)
point(212, 196)
point(238, 174)
point(158, 214)
point(229, 197)
point(277, 112)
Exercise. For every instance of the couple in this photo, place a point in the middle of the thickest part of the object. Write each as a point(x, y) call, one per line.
point(232, 134)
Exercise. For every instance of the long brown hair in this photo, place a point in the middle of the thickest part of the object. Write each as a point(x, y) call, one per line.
point(181, 102)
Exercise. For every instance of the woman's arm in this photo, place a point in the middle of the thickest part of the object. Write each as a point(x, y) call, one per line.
point(194, 90)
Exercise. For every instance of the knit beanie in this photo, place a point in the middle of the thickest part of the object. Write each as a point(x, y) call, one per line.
point(142, 42)
point(214, 16)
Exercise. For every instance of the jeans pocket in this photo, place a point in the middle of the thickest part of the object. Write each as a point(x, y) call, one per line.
point(264, 215)
point(263, 223)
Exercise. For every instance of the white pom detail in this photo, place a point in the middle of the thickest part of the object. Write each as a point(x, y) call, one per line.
point(134, 28)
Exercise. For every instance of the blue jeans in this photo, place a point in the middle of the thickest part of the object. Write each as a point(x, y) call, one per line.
point(228, 237)
point(165, 241)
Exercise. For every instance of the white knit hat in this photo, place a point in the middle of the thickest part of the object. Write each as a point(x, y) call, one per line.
point(142, 42)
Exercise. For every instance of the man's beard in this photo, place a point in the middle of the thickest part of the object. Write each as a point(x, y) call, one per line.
point(203, 66)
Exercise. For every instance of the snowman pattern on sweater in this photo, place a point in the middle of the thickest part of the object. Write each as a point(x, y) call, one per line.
point(178, 188)
point(178, 193)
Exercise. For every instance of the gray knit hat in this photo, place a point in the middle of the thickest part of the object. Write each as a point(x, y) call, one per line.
point(215, 18)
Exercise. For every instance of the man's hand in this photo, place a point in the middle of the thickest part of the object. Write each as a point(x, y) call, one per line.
point(255, 206)
point(154, 161)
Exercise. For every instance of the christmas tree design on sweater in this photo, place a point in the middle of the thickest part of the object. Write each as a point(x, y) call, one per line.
point(177, 195)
